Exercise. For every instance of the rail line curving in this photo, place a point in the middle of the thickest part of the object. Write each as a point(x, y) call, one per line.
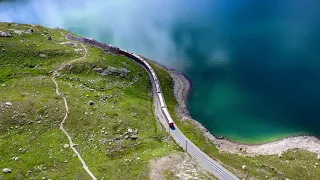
point(207, 162)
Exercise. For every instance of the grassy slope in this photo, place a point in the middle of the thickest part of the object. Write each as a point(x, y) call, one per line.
point(30, 129)
point(295, 164)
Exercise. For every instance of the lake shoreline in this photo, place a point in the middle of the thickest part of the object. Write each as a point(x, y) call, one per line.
point(182, 87)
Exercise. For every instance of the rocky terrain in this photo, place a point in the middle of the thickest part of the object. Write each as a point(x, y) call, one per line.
point(177, 166)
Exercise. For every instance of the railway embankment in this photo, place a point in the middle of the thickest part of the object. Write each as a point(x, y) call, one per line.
point(163, 114)
point(244, 164)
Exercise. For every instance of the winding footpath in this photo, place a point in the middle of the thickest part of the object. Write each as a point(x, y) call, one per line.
point(72, 145)
point(162, 112)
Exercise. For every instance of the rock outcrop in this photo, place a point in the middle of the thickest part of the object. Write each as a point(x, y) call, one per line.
point(112, 71)
point(6, 170)
point(5, 34)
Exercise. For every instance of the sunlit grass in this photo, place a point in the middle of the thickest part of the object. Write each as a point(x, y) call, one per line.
point(29, 130)
point(295, 164)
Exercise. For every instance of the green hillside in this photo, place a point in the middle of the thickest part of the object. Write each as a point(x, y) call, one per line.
point(111, 116)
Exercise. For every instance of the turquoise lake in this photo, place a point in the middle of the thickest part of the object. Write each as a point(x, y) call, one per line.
point(254, 65)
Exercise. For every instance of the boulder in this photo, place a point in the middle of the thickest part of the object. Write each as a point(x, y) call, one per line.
point(98, 70)
point(5, 34)
point(123, 70)
point(6, 170)
point(280, 155)
point(19, 32)
point(91, 103)
point(244, 166)
point(42, 55)
point(134, 137)
point(8, 104)
point(15, 158)
point(112, 70)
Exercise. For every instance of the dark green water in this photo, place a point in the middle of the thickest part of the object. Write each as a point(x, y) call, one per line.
point(255, 70)
point(254, 64)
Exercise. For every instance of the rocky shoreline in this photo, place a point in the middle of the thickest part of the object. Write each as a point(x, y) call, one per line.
point(181, 88)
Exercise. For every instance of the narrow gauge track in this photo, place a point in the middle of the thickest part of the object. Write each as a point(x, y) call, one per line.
point(163, 114)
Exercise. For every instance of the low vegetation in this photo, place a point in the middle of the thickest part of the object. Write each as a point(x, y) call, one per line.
point(111, 116)
point(294, 164)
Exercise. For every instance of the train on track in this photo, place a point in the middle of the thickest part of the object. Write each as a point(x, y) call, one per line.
point(138, 59)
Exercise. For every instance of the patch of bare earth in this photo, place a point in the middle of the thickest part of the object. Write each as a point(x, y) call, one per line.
point(177, 166)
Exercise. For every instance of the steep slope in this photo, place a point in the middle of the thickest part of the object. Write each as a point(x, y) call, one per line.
point(110, 117)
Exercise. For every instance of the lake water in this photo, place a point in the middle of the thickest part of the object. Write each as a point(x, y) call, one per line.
point(254, 65)
point(255, 69)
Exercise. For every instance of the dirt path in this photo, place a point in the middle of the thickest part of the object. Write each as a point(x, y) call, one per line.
point(177, 166)
point(55, 74)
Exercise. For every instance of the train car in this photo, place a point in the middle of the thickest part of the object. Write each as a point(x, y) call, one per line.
point(157, 86)
point(168, 117)
point(151, 70)
point(137, 57)
point(153, 74)
point(162, 104)
point(156, 80)
point(144, 61)
point(148, 66)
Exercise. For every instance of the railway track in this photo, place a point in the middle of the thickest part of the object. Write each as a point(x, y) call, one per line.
point(163, 114)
